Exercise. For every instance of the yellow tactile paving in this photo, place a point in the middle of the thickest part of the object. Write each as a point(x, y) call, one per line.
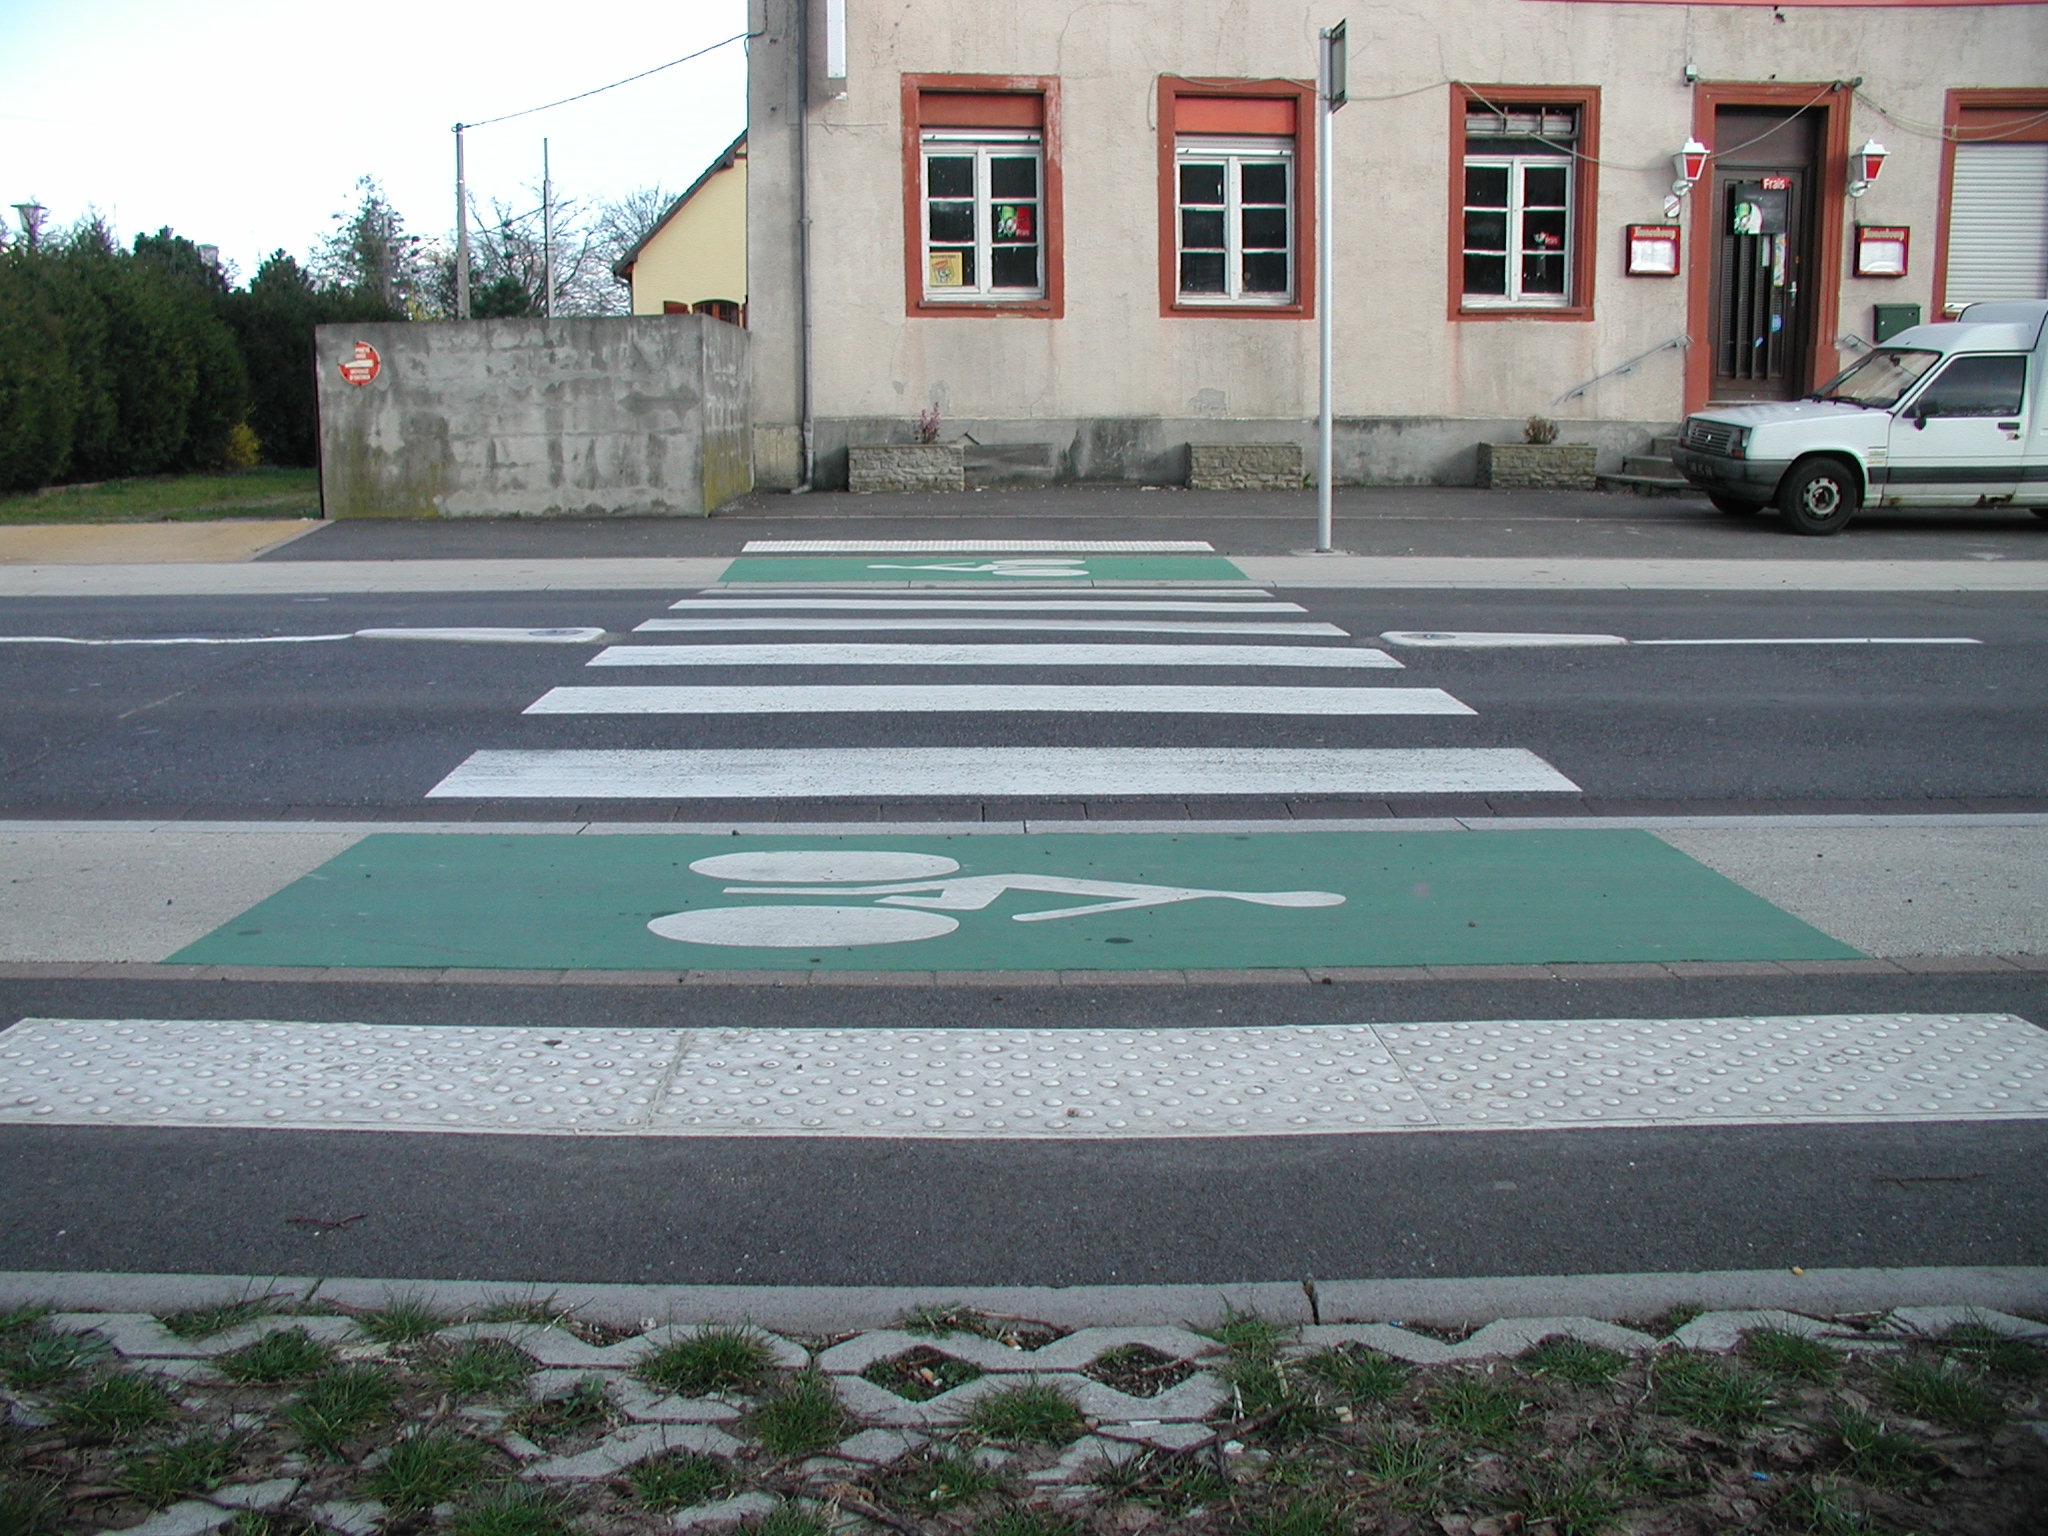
point(140, 543)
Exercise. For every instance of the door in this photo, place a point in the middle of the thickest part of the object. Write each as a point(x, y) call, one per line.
point(1959, 439)
point(1764, 179)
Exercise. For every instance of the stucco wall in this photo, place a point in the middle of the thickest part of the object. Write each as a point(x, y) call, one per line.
point(701, 253)
point(1400, 356)
point(535, 418)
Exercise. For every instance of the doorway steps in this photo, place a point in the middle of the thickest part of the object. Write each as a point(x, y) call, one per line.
point(1651, 472)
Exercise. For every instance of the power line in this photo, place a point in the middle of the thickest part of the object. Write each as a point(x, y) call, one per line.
point(599, 90)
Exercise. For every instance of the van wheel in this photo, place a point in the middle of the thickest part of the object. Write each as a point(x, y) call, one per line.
point(1819, 497)
point(1732, 506)
point(2039, 511)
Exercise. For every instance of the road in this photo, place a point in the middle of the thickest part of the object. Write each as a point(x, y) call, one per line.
point(1289, 931)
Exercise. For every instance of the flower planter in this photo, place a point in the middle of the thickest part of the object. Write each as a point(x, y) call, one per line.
point(904, 467)
point(1536, 466)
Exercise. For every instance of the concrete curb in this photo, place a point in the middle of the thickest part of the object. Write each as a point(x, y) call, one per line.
point(826, 1310)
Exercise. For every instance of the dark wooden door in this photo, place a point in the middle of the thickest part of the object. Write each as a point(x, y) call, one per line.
point(1762, 204)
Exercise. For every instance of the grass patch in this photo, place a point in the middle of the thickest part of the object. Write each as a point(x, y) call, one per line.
point(34, 1358)
point(921, 1374)
point(30, 1506)
point(205, 1322)
point(1568, 1501)
point(1671, 1319)
point(1575, 1361)
point(289, 1354)
point(1410, 1467)
point(1790, 1356)
point(14, 1319)
point(1477, 1407)
point(717, 1359)
point(787, 1520)
point(1813, 1509)
point(1016, 1521)
point(1174, 1483)
point(1137, 1370)
point(402, 1320)
point(336, 1407)
point(427, 1469)
point(511, 1512)
point(482, 1368)
point(585, 1407)
point(1948, 1394)
point(939, 1478)
point(268, 492)
point(938, 1322)
point(1248, 1333)
point(1298, 1515)
point(1262, 1389)
point(195, 1464)
point(114, 1406)
point(803, 1418)
point(1356, 1374)
point(1997, 1353)
point(1873, 1454)
point(679, 1479)
point(1032, 1412)
point(1707, 1391)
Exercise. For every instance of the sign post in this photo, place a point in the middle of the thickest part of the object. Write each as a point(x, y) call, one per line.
point(1330, 95)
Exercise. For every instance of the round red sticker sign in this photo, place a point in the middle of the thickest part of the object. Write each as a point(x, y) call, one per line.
point(363, 365)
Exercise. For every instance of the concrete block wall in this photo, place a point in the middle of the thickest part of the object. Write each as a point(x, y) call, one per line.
point(615, 417)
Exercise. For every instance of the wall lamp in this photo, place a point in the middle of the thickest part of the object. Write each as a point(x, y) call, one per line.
point(1690, 163)
point(1864, 166)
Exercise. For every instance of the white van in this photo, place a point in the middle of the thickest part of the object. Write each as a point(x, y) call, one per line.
point(1945, 415)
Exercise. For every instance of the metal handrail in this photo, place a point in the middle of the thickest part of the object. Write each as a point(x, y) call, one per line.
point(1678, 342)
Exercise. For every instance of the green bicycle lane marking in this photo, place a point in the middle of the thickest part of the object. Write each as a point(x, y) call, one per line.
point(1086, 902)
point(990, 570)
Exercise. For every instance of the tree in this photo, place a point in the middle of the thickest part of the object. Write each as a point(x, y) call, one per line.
point(371, 256)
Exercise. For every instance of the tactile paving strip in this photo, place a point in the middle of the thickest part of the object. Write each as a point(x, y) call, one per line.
point(1060, 1084)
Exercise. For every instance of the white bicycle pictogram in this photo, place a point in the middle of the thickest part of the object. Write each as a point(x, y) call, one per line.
point(1027, 565)
point(912, 894)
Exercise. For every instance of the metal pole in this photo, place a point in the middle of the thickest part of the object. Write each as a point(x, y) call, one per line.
point(461, 233)
point(547, 232)
point(1325, 424)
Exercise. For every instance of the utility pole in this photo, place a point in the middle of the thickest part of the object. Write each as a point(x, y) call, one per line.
point(1330, 95)
point(461, 233)
point(547, 233)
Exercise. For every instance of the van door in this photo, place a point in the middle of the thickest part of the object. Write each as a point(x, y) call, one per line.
point(1960, 437)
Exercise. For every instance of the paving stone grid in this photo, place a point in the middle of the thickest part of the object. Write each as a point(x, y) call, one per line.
point(887, 1427)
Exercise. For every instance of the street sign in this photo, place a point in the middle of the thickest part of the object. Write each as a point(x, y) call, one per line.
point(1336, 65)
point(361, 367)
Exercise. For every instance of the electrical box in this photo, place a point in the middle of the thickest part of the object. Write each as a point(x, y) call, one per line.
point(1887, 320)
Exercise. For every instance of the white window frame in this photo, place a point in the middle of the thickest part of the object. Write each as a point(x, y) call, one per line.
point(983, 145)
point(1518, 168)
point(1233, 153)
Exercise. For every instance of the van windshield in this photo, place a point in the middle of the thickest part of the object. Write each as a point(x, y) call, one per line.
point(1878, 379)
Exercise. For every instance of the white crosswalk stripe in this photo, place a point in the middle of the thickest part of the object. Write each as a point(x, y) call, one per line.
point(1184, 629)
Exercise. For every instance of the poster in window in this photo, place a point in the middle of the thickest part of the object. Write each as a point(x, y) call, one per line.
point(946, 269)
point(1013, 221)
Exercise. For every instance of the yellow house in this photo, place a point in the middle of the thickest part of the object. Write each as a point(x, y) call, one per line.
point(695, 259)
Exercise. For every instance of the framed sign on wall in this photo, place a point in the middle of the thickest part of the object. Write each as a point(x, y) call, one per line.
point(1881, 250)
point(1652, 250)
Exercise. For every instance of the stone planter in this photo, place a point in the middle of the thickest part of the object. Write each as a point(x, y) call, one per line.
point(904, 467)
point(1536, 466)
point(1244, 466)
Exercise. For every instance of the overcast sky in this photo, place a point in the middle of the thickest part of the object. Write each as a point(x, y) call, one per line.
point(245, 123)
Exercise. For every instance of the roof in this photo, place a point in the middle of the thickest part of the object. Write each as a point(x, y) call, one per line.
point(623, 267)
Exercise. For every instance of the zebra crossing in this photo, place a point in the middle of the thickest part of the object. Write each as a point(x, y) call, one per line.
point(802, 647)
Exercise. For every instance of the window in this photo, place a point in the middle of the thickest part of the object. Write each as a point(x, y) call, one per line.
point(1995, 198)
point(981, 195)
point(1236, 209)
point(1522, 198)
point(1975, 386)
point(1235, 229)
point(982, 225)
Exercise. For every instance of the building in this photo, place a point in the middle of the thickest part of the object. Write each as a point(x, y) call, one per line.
point(1087, 232)
point(694, 261)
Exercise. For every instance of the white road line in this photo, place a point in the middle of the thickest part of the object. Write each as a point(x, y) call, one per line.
point(1076, 591)
point(977, 546)
point(1055, 1084)
point(1475, 640)
point(968, 698)
point(1076, 624)
point(896, 602)
point(582, 635)
point(970, 772)
point(969, 655)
